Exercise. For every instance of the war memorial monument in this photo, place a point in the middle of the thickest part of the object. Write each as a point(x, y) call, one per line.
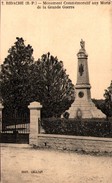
point(83, 107)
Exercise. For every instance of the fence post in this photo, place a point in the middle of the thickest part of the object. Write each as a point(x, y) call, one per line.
point(1, 107)
point(35, 108)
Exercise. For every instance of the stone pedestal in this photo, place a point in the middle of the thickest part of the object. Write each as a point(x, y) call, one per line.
point(35, 108)
point(1, 107)
point(85, 109)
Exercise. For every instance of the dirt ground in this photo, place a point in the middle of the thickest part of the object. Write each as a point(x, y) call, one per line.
point(22, 164)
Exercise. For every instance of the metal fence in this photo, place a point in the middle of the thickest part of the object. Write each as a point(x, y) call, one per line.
point(16, 120)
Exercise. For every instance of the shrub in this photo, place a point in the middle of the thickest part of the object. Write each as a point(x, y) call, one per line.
point(85, 127)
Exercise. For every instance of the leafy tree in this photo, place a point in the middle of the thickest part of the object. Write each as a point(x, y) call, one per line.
point(98, 102)
point(105, 105)
point(14, 75)
point(108, 101)
point(51, 86)
point(22, 81)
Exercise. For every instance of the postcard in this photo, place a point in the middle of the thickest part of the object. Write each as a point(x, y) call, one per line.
point(69, 30)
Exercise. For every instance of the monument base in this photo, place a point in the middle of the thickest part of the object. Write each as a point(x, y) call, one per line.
point(85, 109)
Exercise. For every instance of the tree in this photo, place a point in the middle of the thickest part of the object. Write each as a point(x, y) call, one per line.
point(14, 75)
point(23, 81)
point(98, 103)
point(105, 105)
point(108, 101)
point(51, 86)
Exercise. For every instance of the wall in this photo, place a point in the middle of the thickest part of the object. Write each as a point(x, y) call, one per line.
point(75, 143)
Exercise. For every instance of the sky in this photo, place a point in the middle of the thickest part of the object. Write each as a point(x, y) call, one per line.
point(59, 32)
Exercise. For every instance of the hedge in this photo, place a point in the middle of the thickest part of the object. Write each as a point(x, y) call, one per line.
point(87, 127)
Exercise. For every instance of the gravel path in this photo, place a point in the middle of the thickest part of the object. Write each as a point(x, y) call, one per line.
point(23, 164)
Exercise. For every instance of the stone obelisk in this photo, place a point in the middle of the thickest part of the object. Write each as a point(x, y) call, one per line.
point(83, 106)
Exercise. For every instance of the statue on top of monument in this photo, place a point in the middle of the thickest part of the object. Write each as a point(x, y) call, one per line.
point(82, 52)
point(82, 44)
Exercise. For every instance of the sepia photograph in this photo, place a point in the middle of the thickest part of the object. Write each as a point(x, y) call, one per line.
point(56, 91)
